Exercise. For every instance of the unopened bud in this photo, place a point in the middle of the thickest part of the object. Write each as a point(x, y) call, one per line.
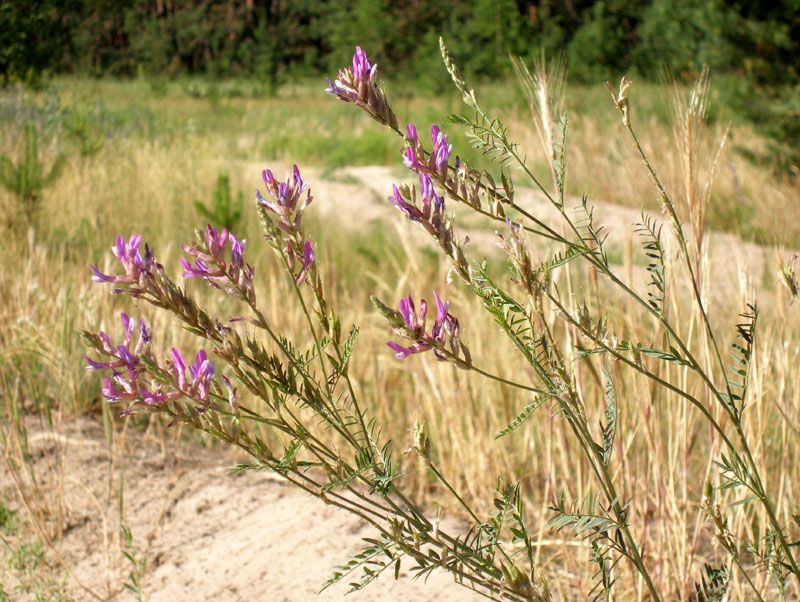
point(394, 317)
point(422, 444)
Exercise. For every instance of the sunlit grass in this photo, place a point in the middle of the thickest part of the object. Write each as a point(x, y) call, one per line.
point(164, 149)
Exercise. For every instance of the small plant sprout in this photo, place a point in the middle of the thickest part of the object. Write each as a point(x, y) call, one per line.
point(289, 402)
point(29, 177)
point(85, 127)
point(224, 212)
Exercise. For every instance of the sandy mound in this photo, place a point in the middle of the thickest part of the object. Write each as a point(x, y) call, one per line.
point(204, 534)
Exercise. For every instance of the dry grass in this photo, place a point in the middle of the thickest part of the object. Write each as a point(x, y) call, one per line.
point(664, 449)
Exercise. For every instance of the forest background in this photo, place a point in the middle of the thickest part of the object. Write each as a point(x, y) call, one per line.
point(754, 45)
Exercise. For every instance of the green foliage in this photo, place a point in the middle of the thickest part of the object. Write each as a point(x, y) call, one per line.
point(84, 126)
point(482, 33)
point(33, 36)
point(29, 177)
point(138, 565)
point(683, 37)
point(715, 588)
point(756, 43)
point(7, 515)
point(605, 579)
point(225, 212)
point(742, 353)
point(366, 23)
point(600, 48)
point(366, 147)
point(526, 413)
point(375, 558)
point(650, 231)
point(585, 518)
point(774, 111)
point(609, 428)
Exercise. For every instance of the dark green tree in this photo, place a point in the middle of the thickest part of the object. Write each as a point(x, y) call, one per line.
point(33, 37)
point(684, 37)
point(28, 177)
point(602, 46)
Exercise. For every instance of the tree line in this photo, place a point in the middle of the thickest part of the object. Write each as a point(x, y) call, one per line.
point(755, 45)
point(277, 38)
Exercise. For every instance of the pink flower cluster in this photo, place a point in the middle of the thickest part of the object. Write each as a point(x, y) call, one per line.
point(444, 334)
point(213, 264)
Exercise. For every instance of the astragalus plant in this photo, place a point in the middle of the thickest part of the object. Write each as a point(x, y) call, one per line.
point(292, 407)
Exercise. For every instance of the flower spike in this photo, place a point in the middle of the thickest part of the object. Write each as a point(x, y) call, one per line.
point(357, 84)
point(213, 264)
point(443, 338)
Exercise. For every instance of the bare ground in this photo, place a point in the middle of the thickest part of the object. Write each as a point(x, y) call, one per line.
point(203, 534)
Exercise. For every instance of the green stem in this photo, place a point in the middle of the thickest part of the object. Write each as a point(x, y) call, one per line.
point(464, 505)
point(755, 477)
point(667, 202)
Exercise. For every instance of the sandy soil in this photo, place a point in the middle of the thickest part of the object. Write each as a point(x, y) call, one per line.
point(205, 534)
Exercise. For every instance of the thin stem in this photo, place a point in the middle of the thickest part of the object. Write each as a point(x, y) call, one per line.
point(755, 477)
point(510, 383)
point(654, 377)
point(682, 241)
point(299, 295)
point(464, 504)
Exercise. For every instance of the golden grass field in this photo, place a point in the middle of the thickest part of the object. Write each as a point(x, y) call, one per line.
point(164, 146)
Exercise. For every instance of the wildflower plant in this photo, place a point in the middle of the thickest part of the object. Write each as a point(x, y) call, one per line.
point(300, 391)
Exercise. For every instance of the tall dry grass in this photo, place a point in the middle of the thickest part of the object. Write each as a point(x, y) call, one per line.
point(665, 449)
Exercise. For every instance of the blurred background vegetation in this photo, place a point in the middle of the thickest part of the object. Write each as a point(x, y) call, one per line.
point(753, 47)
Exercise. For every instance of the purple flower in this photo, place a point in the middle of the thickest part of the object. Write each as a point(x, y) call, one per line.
point(179, 369)
point(124, 364)
point(285, 198)
point(445, 331)
point(200, 373)
point(126, 381)
point(414, 323)
point(430, 215)
point(414, 214)
point(358, 84)
point(363, 71)
point(402, 353)
point(428, 195)
point(413, 154)
point(414, 328)
point(136, 266)
point(121, 355)
point(440, 153)
point(233, 276)
point(353, 83)
point(129, 386)
point(437, 162)
point(445, 328)
point(308, 261)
